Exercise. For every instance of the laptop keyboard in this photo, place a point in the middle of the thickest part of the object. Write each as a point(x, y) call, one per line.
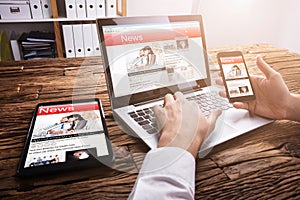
point(145, 118)
point(206, 101)
point(210, 101)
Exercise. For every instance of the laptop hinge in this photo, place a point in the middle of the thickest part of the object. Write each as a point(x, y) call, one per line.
point(161, 98)
point(147, 102)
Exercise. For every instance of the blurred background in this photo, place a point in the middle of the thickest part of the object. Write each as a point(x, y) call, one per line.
point(230, 22)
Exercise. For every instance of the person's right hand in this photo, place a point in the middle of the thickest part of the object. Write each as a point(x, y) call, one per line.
point(273, 98)
point(182, 124)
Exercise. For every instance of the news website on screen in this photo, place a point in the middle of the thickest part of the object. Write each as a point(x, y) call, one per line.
point(65, 133)
point(236, 76)
point(144, 57)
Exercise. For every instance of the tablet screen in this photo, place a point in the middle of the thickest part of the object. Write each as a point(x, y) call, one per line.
point(66, 133)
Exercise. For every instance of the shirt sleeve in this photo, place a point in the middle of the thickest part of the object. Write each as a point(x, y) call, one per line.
point(166, 173)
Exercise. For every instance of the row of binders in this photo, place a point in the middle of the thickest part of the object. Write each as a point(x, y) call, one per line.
point(90, 8)
point(25, 9)
point(40, 9)
point(81, 40)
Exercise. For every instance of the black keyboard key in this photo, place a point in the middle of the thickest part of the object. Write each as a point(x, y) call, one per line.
point(138, 119)
point(152, 131)
point(204, 104)
point(134, 115)
point(206, 108)
point(147, 127)
point(148, 111)
point(147, 117)
point(152, 119)
point(210, 102)
point(212, 107)
point(141, 123)
point(141, 113)
point(154, 125)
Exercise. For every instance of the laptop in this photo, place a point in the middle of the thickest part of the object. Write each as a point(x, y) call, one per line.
point(147, 57)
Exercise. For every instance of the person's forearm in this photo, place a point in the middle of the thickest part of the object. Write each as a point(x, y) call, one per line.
point(293, 110)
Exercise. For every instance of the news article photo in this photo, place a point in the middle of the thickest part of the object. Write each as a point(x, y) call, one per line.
point(234, 71)
point(66, 123)
point(81, 154)
point(146, 58)
point(44, 159)
point(182, 44)
point(239, 87)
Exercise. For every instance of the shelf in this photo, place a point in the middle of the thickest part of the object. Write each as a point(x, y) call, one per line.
point(7, 21)
point(60, 19)
point(64, 19)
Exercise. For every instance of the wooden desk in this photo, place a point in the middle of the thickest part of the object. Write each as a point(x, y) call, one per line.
point(264, 163)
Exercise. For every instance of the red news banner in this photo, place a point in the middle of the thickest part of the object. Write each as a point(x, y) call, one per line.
point(232, 60)
point(51, 110)
point(121, 38)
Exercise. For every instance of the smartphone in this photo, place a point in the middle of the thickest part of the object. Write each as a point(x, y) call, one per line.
point(235, 76)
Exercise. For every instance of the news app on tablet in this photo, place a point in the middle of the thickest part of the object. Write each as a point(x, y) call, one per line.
point(66, 133)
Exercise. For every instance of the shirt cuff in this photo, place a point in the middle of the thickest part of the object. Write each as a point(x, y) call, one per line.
point(170, 161)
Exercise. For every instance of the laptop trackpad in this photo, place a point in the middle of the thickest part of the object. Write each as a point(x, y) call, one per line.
point(243, 120)
point(232, 123)
point(222, 132)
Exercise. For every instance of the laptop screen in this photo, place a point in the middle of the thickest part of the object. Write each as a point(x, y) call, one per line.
point(149, 56)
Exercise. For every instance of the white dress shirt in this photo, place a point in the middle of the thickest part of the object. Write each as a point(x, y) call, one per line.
point(166, 173)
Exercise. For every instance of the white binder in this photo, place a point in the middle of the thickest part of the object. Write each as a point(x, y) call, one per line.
point(46, 8)
point(111, 8)
point(96, 44)
point(100, 8)
point(36, 9)
point(15, 49)
point(71, 9)
point(80, 9)
point(78, 40)
point(91, 8)
point(68, 40)
point(87, 39)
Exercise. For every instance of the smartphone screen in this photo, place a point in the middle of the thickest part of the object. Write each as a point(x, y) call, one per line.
point(235, 76)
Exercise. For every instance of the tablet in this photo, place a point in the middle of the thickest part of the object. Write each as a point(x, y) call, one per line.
point(65, 135)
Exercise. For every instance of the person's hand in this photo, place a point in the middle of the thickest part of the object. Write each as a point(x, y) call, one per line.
point(181, 123)
point(272, 94)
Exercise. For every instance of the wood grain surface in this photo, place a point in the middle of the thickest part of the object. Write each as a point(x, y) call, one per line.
point(262, 164)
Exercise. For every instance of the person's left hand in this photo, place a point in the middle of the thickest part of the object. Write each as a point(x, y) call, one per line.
point(182, 124)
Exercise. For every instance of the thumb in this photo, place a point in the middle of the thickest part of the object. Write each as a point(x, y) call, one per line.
point(212, 119)
point(240, 105)
point(160, 116)
point(264, 67)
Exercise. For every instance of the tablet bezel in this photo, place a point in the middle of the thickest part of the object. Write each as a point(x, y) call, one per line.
point(101, 160)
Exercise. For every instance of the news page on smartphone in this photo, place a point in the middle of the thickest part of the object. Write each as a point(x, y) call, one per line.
point(236, 77)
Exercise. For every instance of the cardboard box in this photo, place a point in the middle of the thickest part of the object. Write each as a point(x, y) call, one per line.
point(15, 10)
